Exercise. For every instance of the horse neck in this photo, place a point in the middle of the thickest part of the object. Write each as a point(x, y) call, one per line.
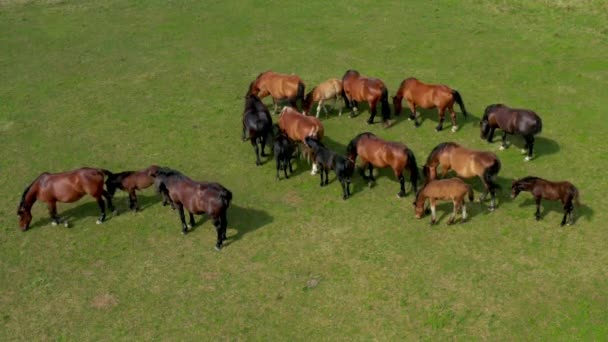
point(29, 197)
point(420, 198)
point(526, 186)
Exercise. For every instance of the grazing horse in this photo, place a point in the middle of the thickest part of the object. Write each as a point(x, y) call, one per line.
point(257, 125)
point(357, 88)
point(467, 164)
point(380, 153)
point(428, 96)
point(522, 122)
point(553, 191)
point(329, 160)
point(284, 149)
point(452, 189)
point(328, 90)
point(198, 198)
point(65, 187)
point(279, 87)
point(297, 127)
point(129, 181)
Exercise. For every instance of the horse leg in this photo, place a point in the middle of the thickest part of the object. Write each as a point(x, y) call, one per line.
point(108, 198)
point(132, 199)
point(412, 106)
point(453, 115)
point(319, 108)
point(354, 107)
point(433, 202)
point(537, 212)
point(441, 118)
point(274, 101)
point(191, 220)
point(102, 208)
point(321, 174)
point(218, 227)
point(182, 217)
point(568, 206)
point(370, 167)
point(530, 146)
point(464, 212)
point(372, 108)
point(491, 134)
point(402, 185)
point(55, 220)
point(254, 143)
point(454, 211)
point(326, 176)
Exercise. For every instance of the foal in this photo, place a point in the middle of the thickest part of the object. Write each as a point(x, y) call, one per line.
point(554, 191)
point(452, 189)
point(129, 181)
point(257, 125)
point(329, 160)
point(328, 90)
point(284, 149)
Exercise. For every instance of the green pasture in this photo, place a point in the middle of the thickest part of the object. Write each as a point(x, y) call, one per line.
point(125, 84)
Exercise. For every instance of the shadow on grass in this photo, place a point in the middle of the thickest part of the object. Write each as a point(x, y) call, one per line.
point(432, 115)
point(245, 221)
point(583, 210)
point(542, 145)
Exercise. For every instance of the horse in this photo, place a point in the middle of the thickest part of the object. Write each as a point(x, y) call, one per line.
point(257, 125)
point(553, 191)
point(279, 87)
point(466, 163)
point(130, 181)
point(284, 149)
point(197, 198)
point(357, 88)
point(522, 122)
point(428, 96)
point(328, 90)
point(329, 160)
point(380, 153)
point(64, 187)
point(452, 189)
point(297, 127)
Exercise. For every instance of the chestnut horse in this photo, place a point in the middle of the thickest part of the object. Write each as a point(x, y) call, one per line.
point(452, 189)
point(298, 126)
point(357, 88)
point(467, 164)
point(553, 191)
point(428, 96)
point(198, 198)
point(380, 153)
point(130, 181)
point(279, 87)
point(522, 122)
point(257, 123)
point(65, 187)
point(328, 90)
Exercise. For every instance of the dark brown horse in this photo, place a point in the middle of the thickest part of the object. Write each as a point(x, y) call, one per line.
point(466, 163)
point(452, 189)
point(257, 125)
point(65, 187)
point(372, 90)
point(279, 87)
point(198, 198)
point(428, 96)
point(373, 151)
point(130, 181)
point(553, 191)
point(298, 126)
point(522, 122)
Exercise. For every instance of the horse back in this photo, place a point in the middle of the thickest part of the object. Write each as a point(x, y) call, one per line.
point(299, 126)
point(279, 85)
point(446, 189)
point(70, 186)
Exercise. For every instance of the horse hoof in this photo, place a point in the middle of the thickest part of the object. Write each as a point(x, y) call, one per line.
point(53, 223)
point(189, 226)
point(116, 213)
point(99, 221)
point(502, 148)
point(454, 129)
point(528, 158)
point(523, 151)
point(401, 195)
point(184, 232)
point(218, 248)
point(491, 208)
point(67, 225)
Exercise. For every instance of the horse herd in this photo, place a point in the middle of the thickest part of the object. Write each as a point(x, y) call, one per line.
point(296, 131)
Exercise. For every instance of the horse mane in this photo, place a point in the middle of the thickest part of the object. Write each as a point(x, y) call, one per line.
point(489, 109)
point(439, 148)
point(527, 180)
point(27, 189)
point(352, 145)
point(350, 71)
point(308, 99)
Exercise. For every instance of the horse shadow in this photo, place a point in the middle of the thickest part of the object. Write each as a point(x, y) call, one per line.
point(582, 210)
point(432, 115)
point(542, 145)
point(244, 221)
point(145, 201)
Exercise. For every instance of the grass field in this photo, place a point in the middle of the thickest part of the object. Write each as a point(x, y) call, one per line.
point(122, 85)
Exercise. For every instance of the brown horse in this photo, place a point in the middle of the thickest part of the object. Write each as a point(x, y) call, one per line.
point(298, 126)
point(197, 197)
point(328, 90)
point(428, 96)
point(467, 164)
point(453, 189)
point(130, 181)
point(553, 191)
point(357, 88)
point(373, 151)
point(279, 87)
point(65, 187)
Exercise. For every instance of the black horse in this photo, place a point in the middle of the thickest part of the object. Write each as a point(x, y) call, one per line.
point(328, 160)
point(284, 149)
point(257, 125)
point(555, 191)
point(522, 122)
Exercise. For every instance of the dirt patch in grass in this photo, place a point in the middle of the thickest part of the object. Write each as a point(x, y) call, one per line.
point(104, 301)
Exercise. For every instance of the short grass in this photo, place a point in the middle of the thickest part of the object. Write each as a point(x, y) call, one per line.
point(124, 84)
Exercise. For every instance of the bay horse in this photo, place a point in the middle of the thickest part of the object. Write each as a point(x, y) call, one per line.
point(372, 90)
point(373, 151)
point(284, 149)
point(466, 163)
point(328, 90)
point(197, 198)
point(452, 189)
point(298, 126)
point(522, 122)
point(64, 187)
point(257, 125)
point(428, 96)
point(279, 87)
point(328, 160)
point(553, 191)
point(130, 181)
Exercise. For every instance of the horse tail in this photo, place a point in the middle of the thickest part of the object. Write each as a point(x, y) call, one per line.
point(471, 193)
point(250, 90)
point(575, 195)
point(300, 94)
point(458, 100)
point(426, 171)
point(539, 126)
point(344, 98)
point(226, 196)
point(490, 172)
point(112, 181)
point(413, 168)
point(386, 110)
point(307, 103)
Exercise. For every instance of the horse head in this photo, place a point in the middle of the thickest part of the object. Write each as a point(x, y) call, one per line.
point(25, 217)
point(484, 127)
